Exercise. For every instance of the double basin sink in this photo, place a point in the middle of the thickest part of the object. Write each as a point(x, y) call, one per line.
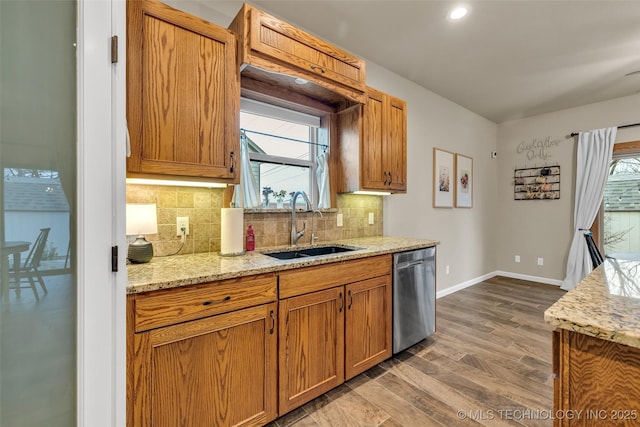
point(309, 252)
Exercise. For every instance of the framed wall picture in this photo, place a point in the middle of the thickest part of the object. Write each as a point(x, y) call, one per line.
point(443, 178)
point(464, 181)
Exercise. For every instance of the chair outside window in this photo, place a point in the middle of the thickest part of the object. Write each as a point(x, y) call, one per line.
point(29, 269)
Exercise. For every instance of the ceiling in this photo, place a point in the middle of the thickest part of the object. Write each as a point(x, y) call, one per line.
point(505, 60)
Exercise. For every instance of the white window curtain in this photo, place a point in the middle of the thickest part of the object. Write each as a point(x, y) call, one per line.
point(322, 179)
point(595, 149)
point(247, 194)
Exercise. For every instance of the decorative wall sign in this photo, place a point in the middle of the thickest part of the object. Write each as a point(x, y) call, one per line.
point(464, 181)
point(538, 148)
point(537, 183)
point(443, 178)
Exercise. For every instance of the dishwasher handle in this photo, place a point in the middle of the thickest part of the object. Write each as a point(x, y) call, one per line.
point(408, 264)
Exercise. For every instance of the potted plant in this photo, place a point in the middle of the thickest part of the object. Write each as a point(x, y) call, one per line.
point(280, 198)
point(265, 194)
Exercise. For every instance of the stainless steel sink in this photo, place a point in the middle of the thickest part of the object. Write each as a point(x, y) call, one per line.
point(309, 252)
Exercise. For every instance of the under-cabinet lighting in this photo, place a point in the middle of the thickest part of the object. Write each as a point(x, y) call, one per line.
point(372, 193)
point(147, 181)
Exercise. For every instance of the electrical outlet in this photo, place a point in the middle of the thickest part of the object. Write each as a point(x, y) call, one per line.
point(447, 270)
point(339, 219)
point(517, 258)
point(540, 261)
point(182, 221)
point(371, 218)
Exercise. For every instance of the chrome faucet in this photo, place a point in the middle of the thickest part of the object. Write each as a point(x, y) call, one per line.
point(314, 238)
point(295, 234)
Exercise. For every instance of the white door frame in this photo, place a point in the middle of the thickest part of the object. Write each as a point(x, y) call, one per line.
point(101, 393)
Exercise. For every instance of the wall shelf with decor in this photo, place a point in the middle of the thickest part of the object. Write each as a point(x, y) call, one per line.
point(539, 183)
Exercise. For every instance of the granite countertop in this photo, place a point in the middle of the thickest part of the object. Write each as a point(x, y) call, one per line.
point(183, 270)
point(605, 304)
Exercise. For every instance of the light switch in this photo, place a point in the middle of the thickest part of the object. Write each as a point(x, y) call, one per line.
point(339, 219)
point(371, 218)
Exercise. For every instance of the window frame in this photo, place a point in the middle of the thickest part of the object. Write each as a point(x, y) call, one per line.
point(620, 149)
point(285, 114)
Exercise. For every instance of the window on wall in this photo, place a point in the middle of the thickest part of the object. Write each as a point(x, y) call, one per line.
point(621, 205)
point(282, 149)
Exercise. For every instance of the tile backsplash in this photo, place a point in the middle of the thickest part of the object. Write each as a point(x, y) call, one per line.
point(272, 228)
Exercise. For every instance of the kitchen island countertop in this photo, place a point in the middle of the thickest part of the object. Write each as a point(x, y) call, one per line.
point(183, 270)
point(605, 304)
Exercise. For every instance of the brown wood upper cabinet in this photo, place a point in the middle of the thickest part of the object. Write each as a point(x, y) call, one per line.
point(183, 94)
point(372, 141)
point(270, 44)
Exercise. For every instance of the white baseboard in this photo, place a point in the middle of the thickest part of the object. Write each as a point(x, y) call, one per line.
point(487, 276)
point(463, 285)
point(544, 280)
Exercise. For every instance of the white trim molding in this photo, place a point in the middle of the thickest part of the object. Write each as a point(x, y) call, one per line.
point(538, 279)
point(452, 289)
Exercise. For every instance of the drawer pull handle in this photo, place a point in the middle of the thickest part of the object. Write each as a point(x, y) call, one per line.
point(227, 298)
point(273, 322)
point(350, 299)
point(341, 302)
point(316, 68)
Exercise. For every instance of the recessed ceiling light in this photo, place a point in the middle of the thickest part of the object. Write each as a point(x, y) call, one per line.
point(300, 81)
point(458, 13)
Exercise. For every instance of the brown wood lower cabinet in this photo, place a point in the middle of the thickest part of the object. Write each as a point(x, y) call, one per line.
point(229, 353)
point(332, 334)
point(367, 325)
point(311, 349)
point(597, 382)
point(216, 370)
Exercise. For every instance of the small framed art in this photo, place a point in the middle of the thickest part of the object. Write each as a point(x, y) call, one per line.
point(464, 181)
point(443, 178)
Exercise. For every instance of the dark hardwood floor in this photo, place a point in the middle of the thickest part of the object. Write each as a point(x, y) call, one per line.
point(489, 363)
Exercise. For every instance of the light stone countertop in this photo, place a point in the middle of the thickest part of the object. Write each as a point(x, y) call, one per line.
point(605, 304)
point(183, 270)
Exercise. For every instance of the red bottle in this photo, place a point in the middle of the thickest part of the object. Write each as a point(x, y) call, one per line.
point(250, 241)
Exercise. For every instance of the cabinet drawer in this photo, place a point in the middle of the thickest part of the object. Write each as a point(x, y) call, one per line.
point(311, 279)
point(275, 38)
point(171, 306)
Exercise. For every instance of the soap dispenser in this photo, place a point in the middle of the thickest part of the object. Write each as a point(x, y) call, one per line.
point(250, 240)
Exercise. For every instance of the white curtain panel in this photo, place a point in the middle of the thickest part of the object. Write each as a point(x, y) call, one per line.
point(247, 194)
point(322, 177)
point(595, 149)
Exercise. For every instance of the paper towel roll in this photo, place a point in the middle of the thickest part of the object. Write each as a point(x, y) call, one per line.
point(232, 231)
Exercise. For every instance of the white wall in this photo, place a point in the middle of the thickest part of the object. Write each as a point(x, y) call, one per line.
point(466, 235)
point(543, 228)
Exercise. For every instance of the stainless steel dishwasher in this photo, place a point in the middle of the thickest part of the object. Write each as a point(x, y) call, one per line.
point(414, 297)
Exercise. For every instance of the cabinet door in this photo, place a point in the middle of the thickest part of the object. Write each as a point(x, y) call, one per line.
point(396, 145)
point(183, 94)
point(367, 325)
point(373, 171)
point(217, 371)
point(311, 347)
point(284, 42)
